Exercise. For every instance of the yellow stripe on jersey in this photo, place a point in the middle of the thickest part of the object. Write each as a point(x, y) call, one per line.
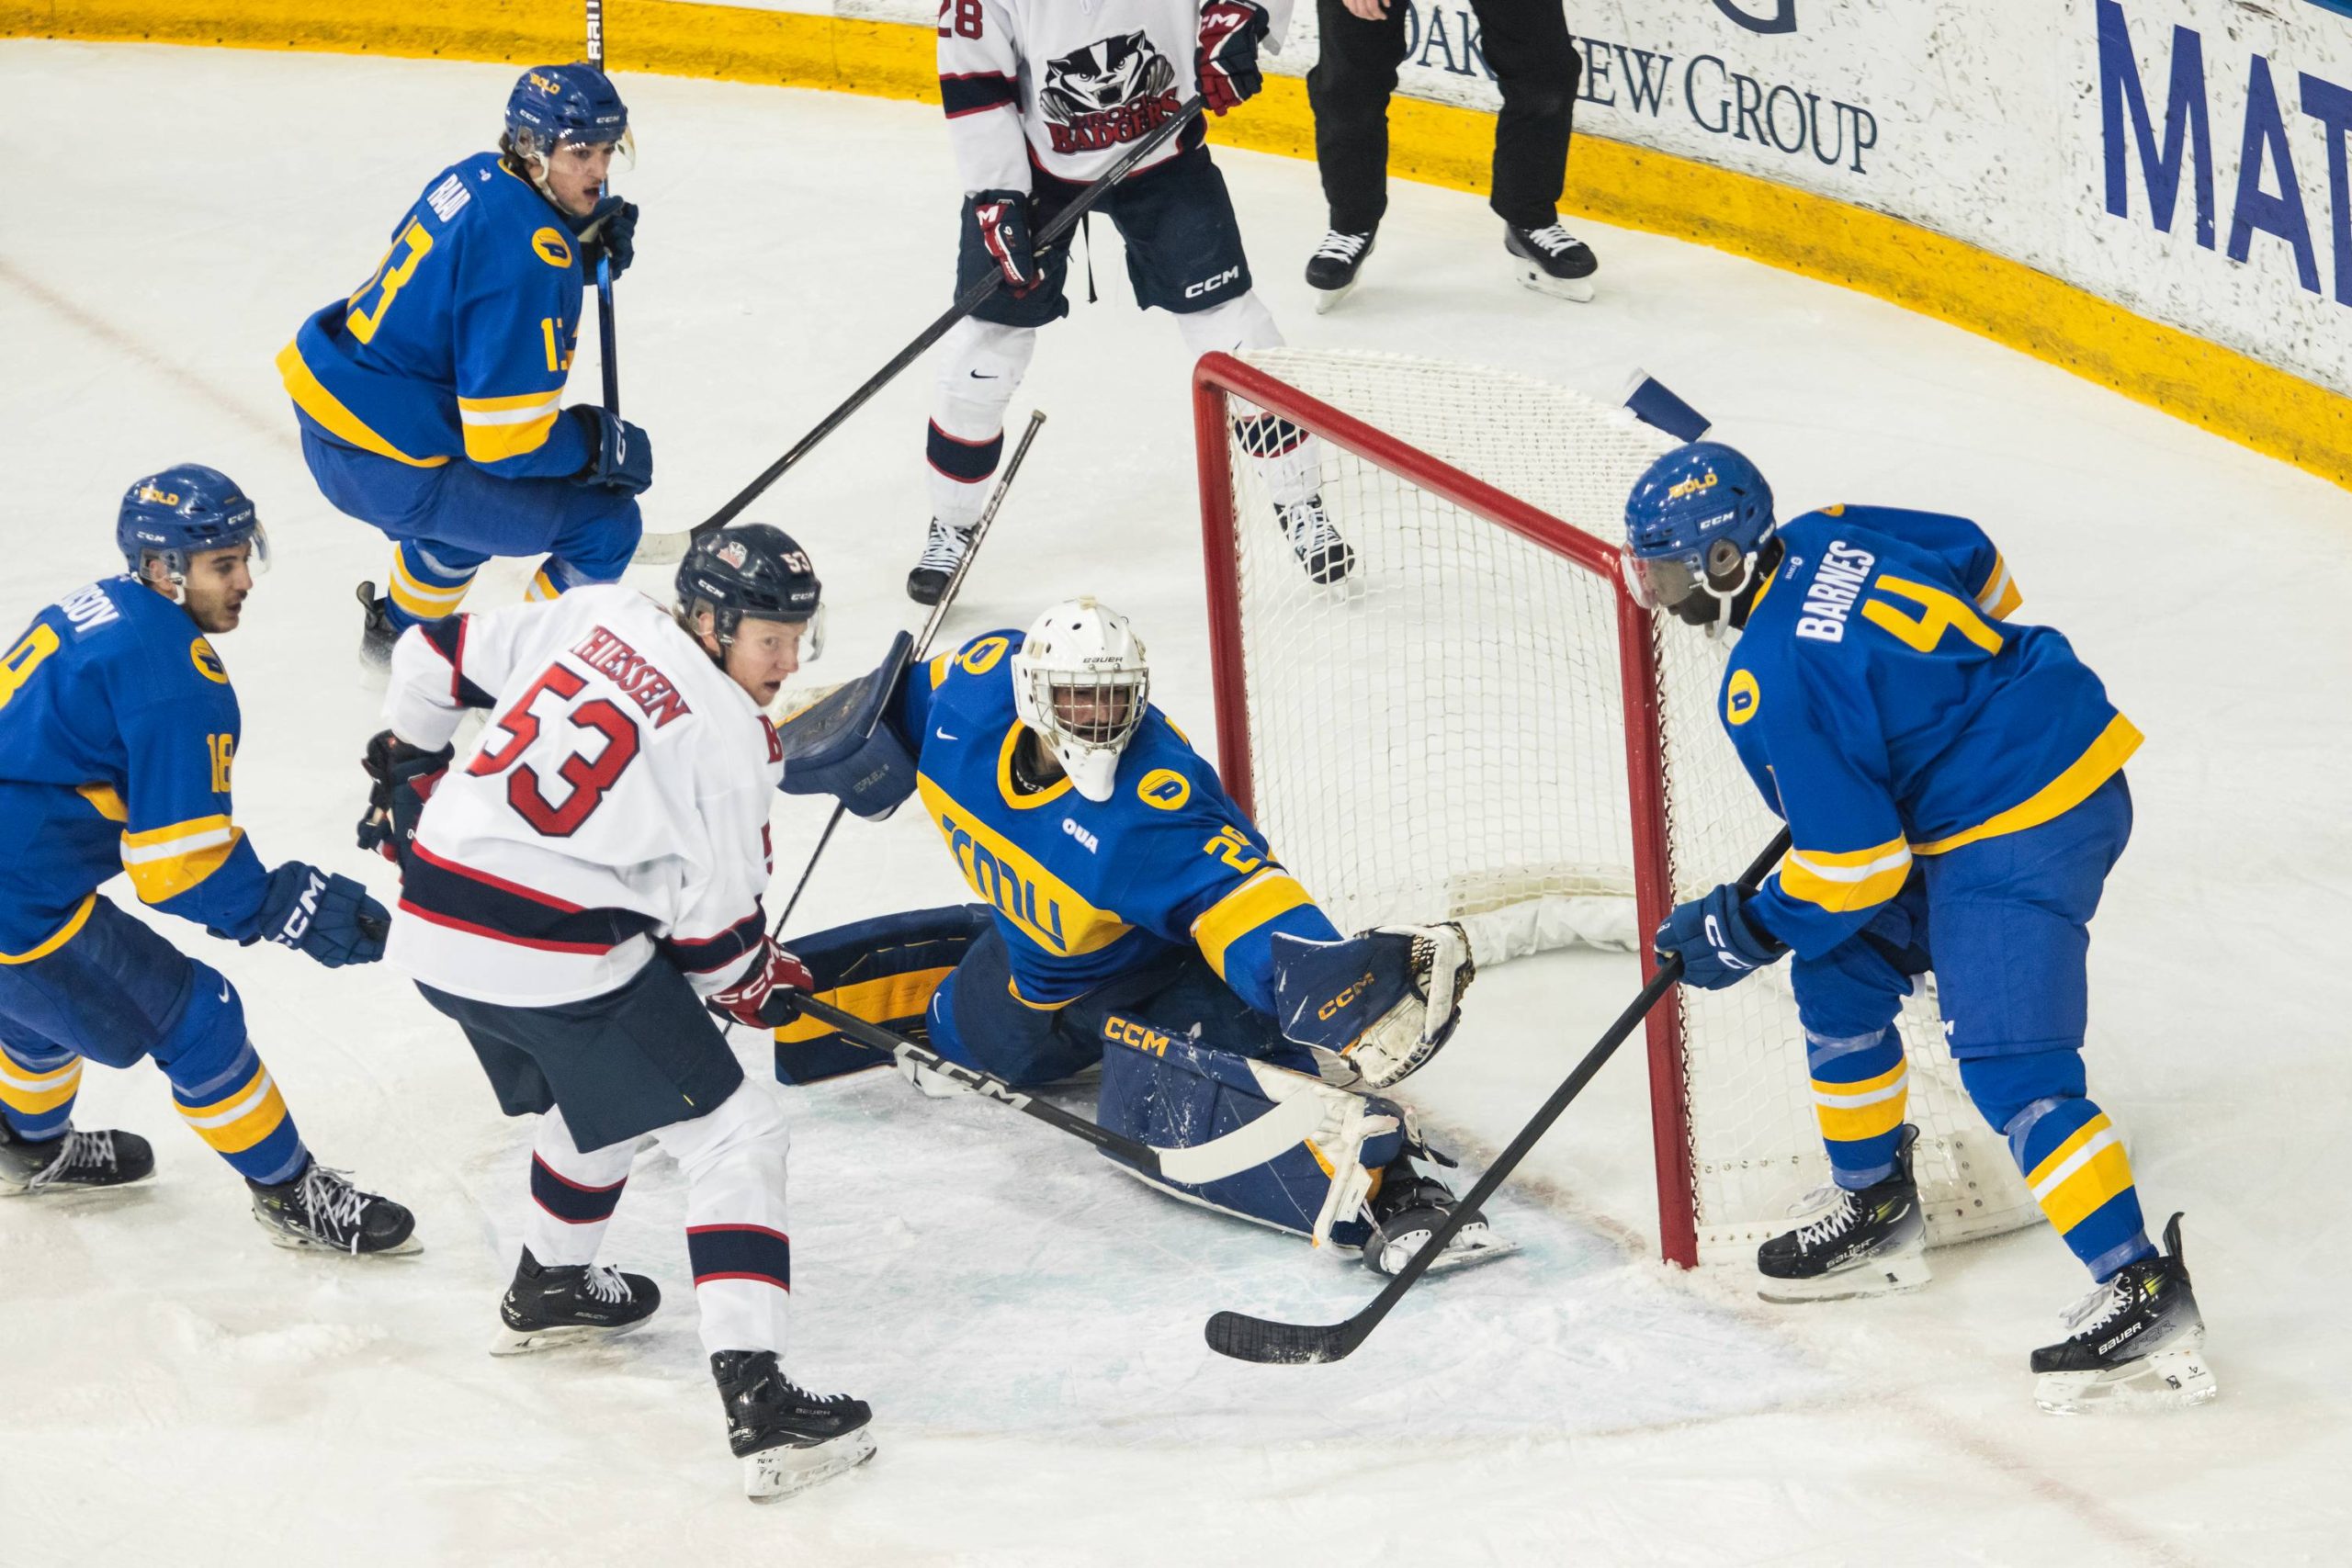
point(939, 668)
point(31, 1093)
point(166, 861)
point(1999, 598)
point(104, 801)
point(58, 939)
point(877, 1001)
point(2076, 1178)
point(1845, 880)
point(425, 601)
point(1046, 909)
point(1243, 910)
point(1868, 1109)
point(238, 1122)
point(542, 588)
point(507, 427)
point(323, 406)
point(2104, 758)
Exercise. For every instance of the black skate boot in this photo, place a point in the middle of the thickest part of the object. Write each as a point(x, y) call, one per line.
point(320, 1209)
point(1332, 270)
point(1407, 1210)
point(1550, 260)
point(72, 1162)
point(2136, 1342)
point(942, 552)
point(787, 1440)
point(1326, 557)
point(376, 635)
point(1866, 1244)
point(547, 1306)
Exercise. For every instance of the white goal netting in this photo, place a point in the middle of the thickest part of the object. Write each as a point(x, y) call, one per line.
point(1444, 736)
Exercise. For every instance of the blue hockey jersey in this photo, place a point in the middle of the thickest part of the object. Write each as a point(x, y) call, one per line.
point(118, 729)
point(1887, 709)
point(459, 344)
point(1085, 891)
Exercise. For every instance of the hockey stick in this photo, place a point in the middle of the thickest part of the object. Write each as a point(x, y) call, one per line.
point(657, 548)
point(608, 349)
point(1284, 1126)
point(1246, 1338)
point(922, 640)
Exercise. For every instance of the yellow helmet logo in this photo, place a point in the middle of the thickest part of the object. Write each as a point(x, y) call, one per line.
point(1689, 488)
point(552, 248)
point(160, 497)
point(1740, 697)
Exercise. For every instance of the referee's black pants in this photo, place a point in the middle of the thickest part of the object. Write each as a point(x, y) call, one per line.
point(1536, 65)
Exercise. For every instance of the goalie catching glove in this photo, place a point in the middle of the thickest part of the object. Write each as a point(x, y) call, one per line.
point(1386, 999)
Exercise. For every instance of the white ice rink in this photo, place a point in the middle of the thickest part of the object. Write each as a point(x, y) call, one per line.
point(1025, 1323)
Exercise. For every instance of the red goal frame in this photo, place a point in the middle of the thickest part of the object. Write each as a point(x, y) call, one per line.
point(1218, 378)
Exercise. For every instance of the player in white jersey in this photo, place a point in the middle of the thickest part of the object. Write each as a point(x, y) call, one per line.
point(1042, 97)
point(574, 896)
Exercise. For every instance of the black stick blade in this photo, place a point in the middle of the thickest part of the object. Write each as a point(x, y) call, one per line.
point(1246, 1338)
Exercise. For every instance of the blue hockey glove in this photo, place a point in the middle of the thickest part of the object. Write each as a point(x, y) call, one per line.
point(621, 454)
point(404, 778)
point(1228, 62)
point(1002, 218)
point(1719, 944)
point(610, 229)
point(328, 917)
point(843, 744)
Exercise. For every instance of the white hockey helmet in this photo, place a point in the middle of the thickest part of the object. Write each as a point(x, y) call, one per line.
point(1081, 680)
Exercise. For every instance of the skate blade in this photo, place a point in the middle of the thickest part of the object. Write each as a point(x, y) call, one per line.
point(1327, 300)
point(1532, 277)
point(2168, 1380)
point(1887, 1276)
point(523, 1342)
point(72, 1188)
point(293, 1243)
point(778, 1473)
point(1466, 1251)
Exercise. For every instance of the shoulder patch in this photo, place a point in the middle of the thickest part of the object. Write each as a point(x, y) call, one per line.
point(1164, 789)
point(983, 655)
point(1741, 698)
point(208, 663)
point(552, 247)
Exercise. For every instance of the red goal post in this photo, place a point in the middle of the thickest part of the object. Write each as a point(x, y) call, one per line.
point(1479, 724)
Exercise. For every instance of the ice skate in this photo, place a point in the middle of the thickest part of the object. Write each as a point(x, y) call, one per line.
point(1319, 547)
point(1337, 263)
point(1406, 1211)
point(1551, 261)
point(2136, 1343)
point(72, 1162)
point(1869, 1243)
point(320, 1211)
point(376, 636)
point(942, 552)
point(789, 1440)
point(549, 1305)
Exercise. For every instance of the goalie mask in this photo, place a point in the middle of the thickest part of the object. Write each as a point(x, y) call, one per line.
point(1081, 682)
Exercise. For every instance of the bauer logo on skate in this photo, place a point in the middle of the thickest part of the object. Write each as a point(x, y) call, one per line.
point(551, 248)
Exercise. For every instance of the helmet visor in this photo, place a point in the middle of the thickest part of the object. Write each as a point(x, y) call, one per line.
point(1660, 582)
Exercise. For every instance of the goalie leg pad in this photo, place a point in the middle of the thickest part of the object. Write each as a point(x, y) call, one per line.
point(1169, 1092)
point(888, 971)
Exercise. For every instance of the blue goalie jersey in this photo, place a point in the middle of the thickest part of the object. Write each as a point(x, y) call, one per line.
point(459, 344)
point(1887, 709)
point(1085, 892)
point(118, 729)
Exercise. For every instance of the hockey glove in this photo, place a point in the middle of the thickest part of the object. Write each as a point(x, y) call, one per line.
point(1719, 944)
point(767, 996)
point(1228, 62)
point(609, 230)
point(328, 917)
point(405, 779)
point(1385, 999)
point(1002, 218)
point(620, 455)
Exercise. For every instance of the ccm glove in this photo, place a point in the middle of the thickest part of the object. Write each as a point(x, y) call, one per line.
point(620, 454)
point(1002, 218)
point(404, 778)
point(1228, 62)
point(328, 917)
point(610, 229)
point(767, 997)
point(1719, 944)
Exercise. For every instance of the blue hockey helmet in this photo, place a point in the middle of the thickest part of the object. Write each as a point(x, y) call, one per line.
point(751, 572)
point(185, 510)
point(555, 104)
point(1695, 521)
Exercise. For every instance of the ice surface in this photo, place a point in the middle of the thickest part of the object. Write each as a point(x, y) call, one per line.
point(1025, 1323)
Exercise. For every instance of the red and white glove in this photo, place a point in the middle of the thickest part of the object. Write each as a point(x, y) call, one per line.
point(767, 997)
point(1002, 218)
point(1228, 62)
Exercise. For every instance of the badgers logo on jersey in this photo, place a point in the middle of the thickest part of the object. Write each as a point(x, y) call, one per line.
point(1114, 90)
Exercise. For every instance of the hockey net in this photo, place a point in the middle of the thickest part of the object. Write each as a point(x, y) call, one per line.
point(1480, 725)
